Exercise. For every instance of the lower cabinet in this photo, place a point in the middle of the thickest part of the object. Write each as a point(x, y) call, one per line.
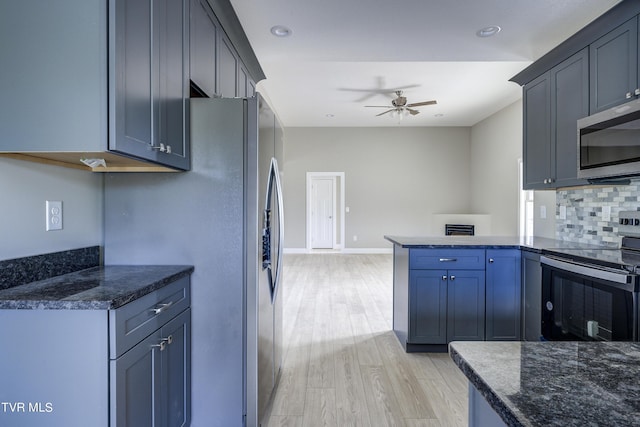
point(149, 371)
point(504, 290)
point(475, 295)
point(446, 305)
point(150, 382)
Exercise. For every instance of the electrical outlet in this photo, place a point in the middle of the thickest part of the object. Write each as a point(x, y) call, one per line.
point(543, 212)
point(54, 215)
point(355, 238)
point(563, 212)
point(606, 213)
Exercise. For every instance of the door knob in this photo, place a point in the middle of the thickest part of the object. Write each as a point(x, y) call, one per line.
point(453, 277)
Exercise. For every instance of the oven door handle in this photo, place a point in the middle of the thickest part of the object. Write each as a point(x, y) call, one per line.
point(622, 277)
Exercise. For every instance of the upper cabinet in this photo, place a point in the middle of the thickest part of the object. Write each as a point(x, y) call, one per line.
point(91, 81)
point(149, 85)
point(217, 69)
point(552, 105)
point(614, 67)
point(204, 35)
point(96, 79)
point(595, 69)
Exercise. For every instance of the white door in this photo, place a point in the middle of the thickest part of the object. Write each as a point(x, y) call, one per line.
point(322, 212)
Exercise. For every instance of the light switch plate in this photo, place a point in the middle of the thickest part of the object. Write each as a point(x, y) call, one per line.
point(54, 215)
point(606, 213)
point(543, 212)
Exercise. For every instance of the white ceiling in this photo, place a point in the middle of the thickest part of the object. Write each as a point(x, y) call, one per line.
point(340, 48)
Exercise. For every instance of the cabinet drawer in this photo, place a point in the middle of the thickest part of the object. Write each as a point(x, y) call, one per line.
point(426, 259)
point(131, 323)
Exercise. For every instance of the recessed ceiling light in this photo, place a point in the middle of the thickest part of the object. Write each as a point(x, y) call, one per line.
point(438, 115)
point(280, 31)
point(329, 116)
point(488, 31)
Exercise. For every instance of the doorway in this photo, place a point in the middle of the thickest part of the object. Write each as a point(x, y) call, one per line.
point(325, 205)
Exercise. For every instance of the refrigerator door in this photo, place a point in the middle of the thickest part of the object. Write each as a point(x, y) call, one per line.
point(270, 264)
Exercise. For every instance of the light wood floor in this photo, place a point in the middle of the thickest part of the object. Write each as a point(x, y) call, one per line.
point(343, 366)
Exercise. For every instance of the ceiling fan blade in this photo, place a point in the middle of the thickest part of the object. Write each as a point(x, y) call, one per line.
point(419, 104)
point(377, 106)
point(388, 111)
point(412, 111)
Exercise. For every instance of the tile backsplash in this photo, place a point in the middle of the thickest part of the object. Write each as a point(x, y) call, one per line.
point(584, 222)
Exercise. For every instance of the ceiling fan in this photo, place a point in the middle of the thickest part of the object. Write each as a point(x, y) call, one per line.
point(400, 107)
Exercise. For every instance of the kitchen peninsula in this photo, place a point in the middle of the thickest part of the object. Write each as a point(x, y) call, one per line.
point(468, 288)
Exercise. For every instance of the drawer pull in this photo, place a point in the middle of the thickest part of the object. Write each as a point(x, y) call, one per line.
point(161, 307)
point(448, 259)
point(453, 277)
point(444, 278)
point(491, 261)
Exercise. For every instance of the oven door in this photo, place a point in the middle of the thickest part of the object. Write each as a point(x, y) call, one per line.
point(583, 302)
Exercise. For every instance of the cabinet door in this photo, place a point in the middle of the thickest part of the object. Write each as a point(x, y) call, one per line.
point(131, 77)
point(503, 295)
point(569, 102)
point(428, 307)
point(176, 370)
point(613, 67)
point(465, 305)
point(538, 159)
point(171, 35)
point(149, 80)
point(135, 385)
point(203, 47)
point(532, 296)
point(227, 68)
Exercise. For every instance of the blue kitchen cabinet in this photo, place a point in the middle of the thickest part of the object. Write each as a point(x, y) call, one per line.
point(503, 294)
point(446, 295)
point(466, 305)
point(428, 306)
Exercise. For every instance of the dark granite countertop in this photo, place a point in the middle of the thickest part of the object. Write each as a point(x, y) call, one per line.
point(96, 288)
point(536, 244)
point(555, 383)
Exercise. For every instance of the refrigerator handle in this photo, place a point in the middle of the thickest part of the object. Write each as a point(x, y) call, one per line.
point(276, 174)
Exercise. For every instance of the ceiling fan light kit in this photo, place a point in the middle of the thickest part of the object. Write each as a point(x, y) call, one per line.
point(400, 108)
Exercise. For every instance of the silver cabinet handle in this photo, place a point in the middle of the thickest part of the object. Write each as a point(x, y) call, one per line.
point(444, 278)
point(636, 92)
point(448, 259)
point(453, 277)
point(161, 307)
point(170, 339)
point(628, 95)
point(162, 345)
point(491, 261)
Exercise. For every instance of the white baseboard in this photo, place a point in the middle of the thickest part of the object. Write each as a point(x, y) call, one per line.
point(339, 251)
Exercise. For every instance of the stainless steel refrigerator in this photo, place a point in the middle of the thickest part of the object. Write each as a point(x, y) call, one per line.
point(225, 218)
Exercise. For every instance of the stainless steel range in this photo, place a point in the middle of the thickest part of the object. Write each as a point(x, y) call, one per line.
point(592, 294)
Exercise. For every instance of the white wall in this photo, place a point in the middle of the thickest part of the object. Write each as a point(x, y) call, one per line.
point(24, 188)
point(496, 146)
point(395, 178)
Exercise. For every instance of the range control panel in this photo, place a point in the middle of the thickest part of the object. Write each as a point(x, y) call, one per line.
point(629, 223)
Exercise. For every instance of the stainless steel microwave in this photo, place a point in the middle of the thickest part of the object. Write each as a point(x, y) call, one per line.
point(609, 143)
